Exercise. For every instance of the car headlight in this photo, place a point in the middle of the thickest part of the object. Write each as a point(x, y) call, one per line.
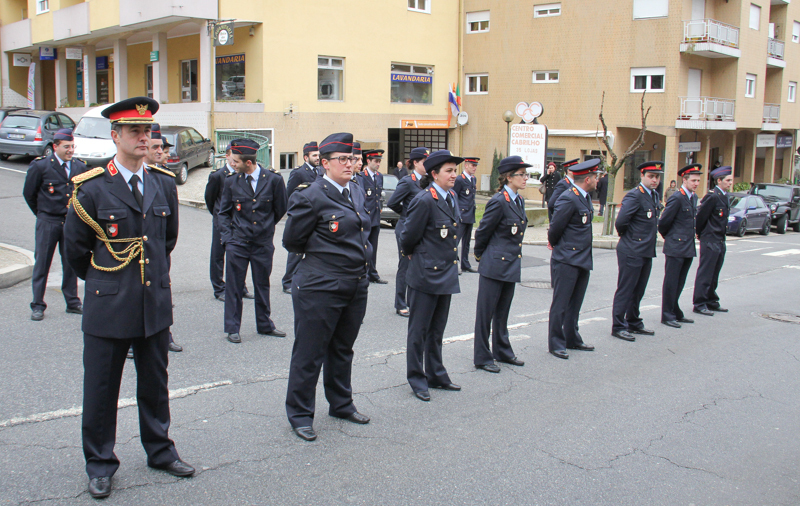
point(773, 207)
point(732, 218)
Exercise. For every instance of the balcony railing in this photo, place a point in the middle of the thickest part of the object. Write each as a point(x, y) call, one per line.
point(772, 113)
point(707, 108)
point(775, 48)
point(709, 30)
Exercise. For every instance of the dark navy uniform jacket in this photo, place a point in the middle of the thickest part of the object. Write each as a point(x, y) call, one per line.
point(570, 232)
point(47, 189)
point(563, 185)
point(118, 304)
point(372, 191)
point(214, 187)
point(430, 236)
point(331, 230)
point(302, 174)
point(247, 216)
point(465, 192)
point(406, 190)
point(637, 223)
point(550, 181)
point(712, 216)
point(677, 225)
point(498, 240)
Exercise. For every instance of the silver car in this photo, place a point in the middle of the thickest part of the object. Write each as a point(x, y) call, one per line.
point(31, 133)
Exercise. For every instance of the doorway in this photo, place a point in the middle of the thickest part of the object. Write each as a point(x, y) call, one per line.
point(189, 81)
point(102, 87)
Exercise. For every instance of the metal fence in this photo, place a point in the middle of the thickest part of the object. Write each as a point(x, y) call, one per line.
point(710, 30)
point(775, 48)
point(707, 108)
point(224, 137)
point(772, 113)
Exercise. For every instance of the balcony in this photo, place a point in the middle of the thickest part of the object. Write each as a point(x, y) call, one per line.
point(772, 118)
point(71, 22)
point(161, 11)
point(710, 38)
point(706, 113)
point(775, 50)
point(16, 36)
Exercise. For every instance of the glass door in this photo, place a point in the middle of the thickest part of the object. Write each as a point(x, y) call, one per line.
point(189, 81)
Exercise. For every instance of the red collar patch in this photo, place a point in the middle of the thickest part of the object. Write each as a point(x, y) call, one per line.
point(575, 191)
point(683, 192)
point(112, 169)
point(414, 176)
point(508, 199)
point(434, 193)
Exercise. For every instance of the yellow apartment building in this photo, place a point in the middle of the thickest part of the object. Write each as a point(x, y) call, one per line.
point(296, 71)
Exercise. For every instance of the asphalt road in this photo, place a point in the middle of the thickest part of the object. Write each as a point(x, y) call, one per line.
point(705, 415)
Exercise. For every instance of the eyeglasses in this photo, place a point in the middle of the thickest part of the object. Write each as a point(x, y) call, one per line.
point(344, 159)
point(524, 174)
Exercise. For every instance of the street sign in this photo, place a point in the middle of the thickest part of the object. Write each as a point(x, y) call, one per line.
point(153, 55)
point(689, 147)
point(223, 34)
point(530, 143)
point(462, 118)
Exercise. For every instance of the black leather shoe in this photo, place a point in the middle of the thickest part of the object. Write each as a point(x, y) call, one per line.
point(470, 269)
point(357, 418)
point(100, 488)
point(37, 315)
point(175, 347)
point(248, 295)
point(718, 309)
point(220, 297)
point(624, 335)
point(514, 361)
point(75, 309)
point(685, 320)
point(582, 347)
point(643, 331)
point(489, 367)
point(423, 396)
point(672, 323)
point(130, 353)
point(450, 386)
point(403, 312)
point(287, 290)
point(703, 311)
point(234, 338)
point(560, 354)
point(274, 333)
point(305, 433)
point(178, 468)
point(379, 281)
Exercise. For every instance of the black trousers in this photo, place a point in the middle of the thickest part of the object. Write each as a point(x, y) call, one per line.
point(465, 238)
point(712, 256)
point(217, 263)
point(292, 261)
point(675, 272)
point(374, 234)
point(400, 286)
point(49, 235)
point(634, 272)
point(327, 317)
point(103, 361)
point(237, 257)
point(494, 304)
point(569, 289)
point(426, 325)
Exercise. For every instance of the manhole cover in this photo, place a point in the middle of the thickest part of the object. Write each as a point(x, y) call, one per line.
point(781, 317)
point(535, 283)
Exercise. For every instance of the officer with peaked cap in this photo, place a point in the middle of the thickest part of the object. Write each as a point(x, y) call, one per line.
point(406, 190)
point(253, 202)
point(712, 224)
point(121, 227)
point(371, 181)
point(47, 190)
point(328, 224)
point(306, 173)
point(562, 186)
point(498, 248)
point(570, 239)
point(637, 224)
point(465, 188)
point(677, 227)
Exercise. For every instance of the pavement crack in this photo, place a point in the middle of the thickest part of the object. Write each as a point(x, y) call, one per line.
point(682, 466)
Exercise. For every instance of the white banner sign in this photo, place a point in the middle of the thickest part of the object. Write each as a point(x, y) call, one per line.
point(529, 141)
point(22, 60)
point(689, 147)
point(32, 85)
point(765, 140)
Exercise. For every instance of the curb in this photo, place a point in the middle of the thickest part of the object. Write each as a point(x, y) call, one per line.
point(199, 204)
point(13, 274)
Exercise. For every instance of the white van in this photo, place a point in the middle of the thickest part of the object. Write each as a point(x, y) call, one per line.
point(93, 142)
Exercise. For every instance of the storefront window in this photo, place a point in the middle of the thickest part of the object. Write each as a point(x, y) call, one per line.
point(230, 77)
point(330, 76)
point(412, 84)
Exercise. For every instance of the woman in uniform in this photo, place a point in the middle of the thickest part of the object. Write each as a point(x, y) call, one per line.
point(430, 240)
point(498, 249)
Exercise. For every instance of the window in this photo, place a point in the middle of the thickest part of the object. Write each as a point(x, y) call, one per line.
point(755, 16)
point(546, 10)
point(42, 6)
point(148, 80)
point(477, 84)
point(792, 91)
point(330, 78)
point(288, 160)
point(189, 81)
point(420, 5)
point(66, 121)
point(545, 76)
point(650, 79)
point(434, 140)
point(478, 22)
point(750, 86)
point(412, 84)
point(646, 9)
point(795, 32)
point(185, 139)
point(52, 123)
point(196, 137)
point(230, 77)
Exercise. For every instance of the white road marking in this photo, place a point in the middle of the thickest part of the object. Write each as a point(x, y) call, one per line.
point(757, 249)
point(467, 337)
point(590, 320)
point(532, 314)
point(645, 308)
point(783, 253)
point(14, 170)
point(757, 241)
point(791, 266)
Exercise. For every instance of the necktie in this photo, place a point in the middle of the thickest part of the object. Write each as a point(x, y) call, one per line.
point(66, 168)
point(589, 201)
point(137, 195)
point(449, 200)
point(249, 180)
point(519, 203)
point(346, 193)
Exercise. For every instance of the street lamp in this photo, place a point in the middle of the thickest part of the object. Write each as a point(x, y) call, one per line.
point(508, 117)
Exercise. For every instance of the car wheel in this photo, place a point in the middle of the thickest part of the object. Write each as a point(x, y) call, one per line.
point(796, 226)
point(48, 151)
point(781, 225)
point(742, 228)
point(765, 229)
point(4, 156)
point(210, 159)
point(182, 175)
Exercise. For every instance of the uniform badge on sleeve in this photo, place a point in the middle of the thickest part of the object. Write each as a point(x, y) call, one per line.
point(238, 207)
point(514, 229)
point(333, 226)
point(112, 229)
point(443, 233)
point(649, 214)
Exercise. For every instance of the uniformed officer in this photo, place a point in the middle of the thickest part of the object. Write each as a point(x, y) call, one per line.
point(358, 163)
point(712, 224)
point(430, 239)
point(570, 239)
point(677, 227)
point(253, 202)
point(562, 185)
point(305, 173)
point(465, 188)
point(328, 224)
point(47, 191)
point(121, 227)
point(636, 225)
point(406, 190)
point(371, 181)
point(498, 248)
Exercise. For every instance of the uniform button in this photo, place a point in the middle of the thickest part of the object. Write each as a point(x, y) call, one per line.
point(362, 229)
point(144, 215)
point(455, 262)
point(147, 260)
point(365, 246)
point(520, 245)
point(254, 210)
point(455, 225)
point(147, 284)
point(111, 217)
point(503, 258)
point(455, 249)
point(254, 200)
point(455, 237)
point(163, 213)
point(519, 256)
point(97, 292)
point(435, 268)
point(255, 223)
point(144, 238)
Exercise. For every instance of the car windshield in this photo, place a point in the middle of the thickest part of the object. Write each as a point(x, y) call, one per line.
point(28, 122)
point(778, 192)
point(738, 202)
point(93, 128)
point(389, 183)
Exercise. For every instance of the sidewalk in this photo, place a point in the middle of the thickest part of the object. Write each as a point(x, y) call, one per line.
point(16, 265)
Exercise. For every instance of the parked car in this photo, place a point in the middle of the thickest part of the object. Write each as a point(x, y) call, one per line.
point(784, 202)
point(4, 111)
point(389, 186)
point(93, 142)
point(30, 132)
point(749, 213)
point(189, 150)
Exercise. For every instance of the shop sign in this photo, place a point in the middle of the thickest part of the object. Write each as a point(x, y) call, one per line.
point(765, 140)
point(153, 55)
point(411, 78)
point(74, 53)
point(424, 123)
point(689, 147)
point(22, 60)
point(223, 34)
point(102, 62)
point(529, 141)
point(79, 79)
point(784, 141)
point(233, 58)
point(47, 53)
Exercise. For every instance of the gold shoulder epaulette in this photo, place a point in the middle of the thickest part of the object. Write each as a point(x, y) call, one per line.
point(82, 161)
point(38, 158)
point(303, 186)
point(273, 169)
point(163, 171)
point(89, 174)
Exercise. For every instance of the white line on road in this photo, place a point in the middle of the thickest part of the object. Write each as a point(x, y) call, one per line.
point(756, 249)
point(645, 308)
point(590, 320)
point(791, 266)
point(532, 314)
point(783, 253)
point(757, 241)
point(14, 170)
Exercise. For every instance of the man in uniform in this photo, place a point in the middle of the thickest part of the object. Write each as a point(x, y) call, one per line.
point(48, 188)
point(712, 224)
point(637, 225)
point(120, 229)
point(306, 173)
point(570, 239)
point(562, 185)
point(465, 196)
point(328, 224)
point(253, 202)
point(371, 181)
point(677, 227)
